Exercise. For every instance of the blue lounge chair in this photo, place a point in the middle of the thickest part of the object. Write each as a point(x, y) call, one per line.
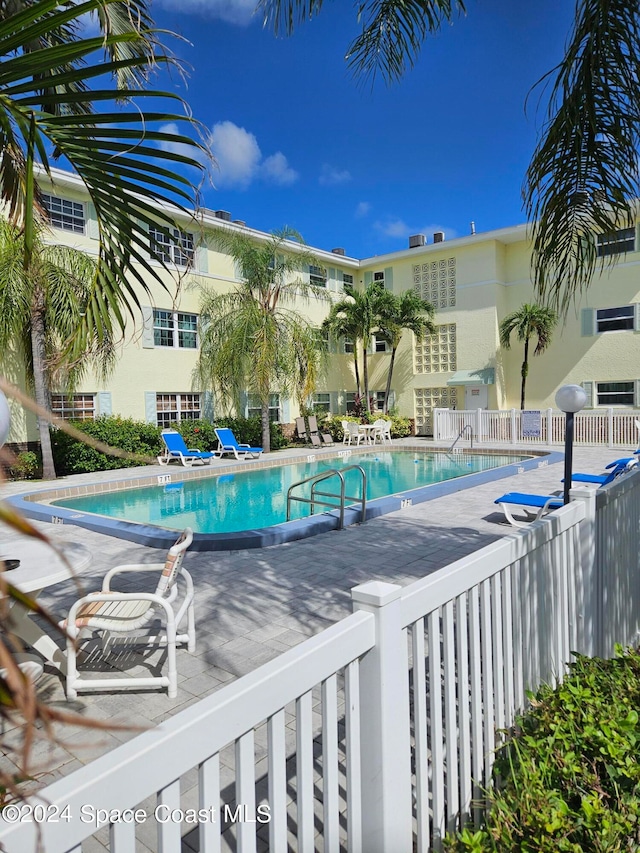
point(615, 469)
point(227, 443)
point(175, 448)
point(534, 506)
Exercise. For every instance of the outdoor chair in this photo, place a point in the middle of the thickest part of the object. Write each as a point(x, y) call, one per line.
point(228, 443)
point(301, 430)
point(346, 435)
point(615, 469)
point(354, 433)
point(534, 506)
point(125, 614)
point(175, 448)
point(313, 431)
point(383, 431)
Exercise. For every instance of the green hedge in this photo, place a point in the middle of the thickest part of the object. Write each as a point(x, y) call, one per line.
point(568, 778)
point(73, 457)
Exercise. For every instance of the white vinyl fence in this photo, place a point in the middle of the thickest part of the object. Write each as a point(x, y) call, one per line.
point(378, 734)
point(610, 427)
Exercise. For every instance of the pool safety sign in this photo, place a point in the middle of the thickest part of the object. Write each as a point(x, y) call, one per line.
point(531, 424)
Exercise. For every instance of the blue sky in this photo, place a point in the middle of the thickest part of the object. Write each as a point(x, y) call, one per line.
point(301, 143)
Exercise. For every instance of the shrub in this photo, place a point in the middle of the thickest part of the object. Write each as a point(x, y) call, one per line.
point(198, 434)
point(27, 466)
point(73, 457)
point(568, 777)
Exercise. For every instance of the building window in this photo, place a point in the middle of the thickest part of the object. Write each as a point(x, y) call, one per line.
point(74, 407)
point(349, 346)
point(616, 243)
point(254, 409)
point(321, 403)
point(173, 408)
point(317, 276)
point(615, 394)
point(615, 319)
point(378, 278)
point(175, 329)
point(436, 353)
point(347, 281)
point(378, 343)
point(176, 249)
point(65, 214)
point(435, 282)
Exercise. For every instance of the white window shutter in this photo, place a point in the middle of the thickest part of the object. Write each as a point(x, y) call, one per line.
point(147, 327)
point(332, 282)
point(392, 398)
point(145, 250)
point(93, 230)
point(636, 395)
point(103, 401)
point(388, 278)
point(334, 404)
point(588, 320)
point(150, 407)
point(636, 317)
point(202, 259)
point(285, 410)
point(368, 278)
point(589, 391)
point(207, 406)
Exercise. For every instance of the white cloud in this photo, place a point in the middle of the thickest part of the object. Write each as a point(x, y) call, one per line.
point(179, 147)
point(277, 170)
point(398, 228)
point(237, 154)
point(363, 208)
point(240, 12)
point(240, 161)
point(330, 176)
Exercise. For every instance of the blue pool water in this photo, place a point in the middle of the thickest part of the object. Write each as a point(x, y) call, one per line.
point(256, 498)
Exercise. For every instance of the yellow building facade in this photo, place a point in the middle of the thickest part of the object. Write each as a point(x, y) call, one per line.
point(473, 282)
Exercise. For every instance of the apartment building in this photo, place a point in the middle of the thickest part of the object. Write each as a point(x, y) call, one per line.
point(473, 282)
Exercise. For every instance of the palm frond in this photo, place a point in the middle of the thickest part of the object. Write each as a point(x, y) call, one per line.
point(584, 176)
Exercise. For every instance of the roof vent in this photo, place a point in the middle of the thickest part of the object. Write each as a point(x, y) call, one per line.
point(416, 241)
point(240, 222)
point(438, 237)
point(223, 214)
point(338, 251)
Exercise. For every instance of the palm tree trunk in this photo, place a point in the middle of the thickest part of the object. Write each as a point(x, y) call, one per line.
point(266, 427)
point(524, 371)
point(389, 375)
point(366, 377)
point(41, 385)
point(357, 371)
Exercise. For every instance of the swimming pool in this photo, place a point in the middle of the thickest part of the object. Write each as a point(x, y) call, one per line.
point(246, 507)
point(257, 498)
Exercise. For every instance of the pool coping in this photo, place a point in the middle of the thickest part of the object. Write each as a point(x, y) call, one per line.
point(34, 504)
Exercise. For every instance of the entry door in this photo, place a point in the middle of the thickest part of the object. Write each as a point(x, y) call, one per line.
point(476, 397)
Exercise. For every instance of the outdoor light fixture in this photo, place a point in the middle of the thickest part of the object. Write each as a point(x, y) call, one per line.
point(570, 399)
point(5, 419)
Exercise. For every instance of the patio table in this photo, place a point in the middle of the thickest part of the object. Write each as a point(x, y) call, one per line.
point(369, 431)
point(40, 567)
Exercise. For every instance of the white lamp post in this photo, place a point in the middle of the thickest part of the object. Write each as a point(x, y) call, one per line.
point(5, 419)
point(569, 399)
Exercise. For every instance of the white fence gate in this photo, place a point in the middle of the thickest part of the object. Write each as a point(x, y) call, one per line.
point(377, 735)
point(610, 427)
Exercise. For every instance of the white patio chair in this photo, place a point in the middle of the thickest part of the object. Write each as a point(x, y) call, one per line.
point(126, 613)
point(355, 434)
point(346, 435)
point(383, 430)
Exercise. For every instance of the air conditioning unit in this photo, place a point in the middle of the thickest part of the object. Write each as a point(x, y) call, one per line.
point(416, 241)
point(240, 222)
point(438, 237)
point(223, 214)
point(338, 251)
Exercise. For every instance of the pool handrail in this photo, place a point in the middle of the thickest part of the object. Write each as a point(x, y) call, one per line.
point(321, 477)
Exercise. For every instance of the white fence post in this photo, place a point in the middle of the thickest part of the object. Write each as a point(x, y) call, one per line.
point(479, 425)
point(609, 427)
point(549, 426)
point(587, 584)
point(514, 427)
point(385, 735)
point(437, 424)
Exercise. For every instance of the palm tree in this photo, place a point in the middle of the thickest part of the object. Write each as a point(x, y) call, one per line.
point(406, 311)
point(527, 321)
point(584, 175)
point(358, 316)
point(342, 322)
point(41, 306)
point(253, 338)
point(48, 110)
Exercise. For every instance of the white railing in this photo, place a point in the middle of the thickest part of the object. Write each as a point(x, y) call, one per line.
point(610, 427)
point(378, 734)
